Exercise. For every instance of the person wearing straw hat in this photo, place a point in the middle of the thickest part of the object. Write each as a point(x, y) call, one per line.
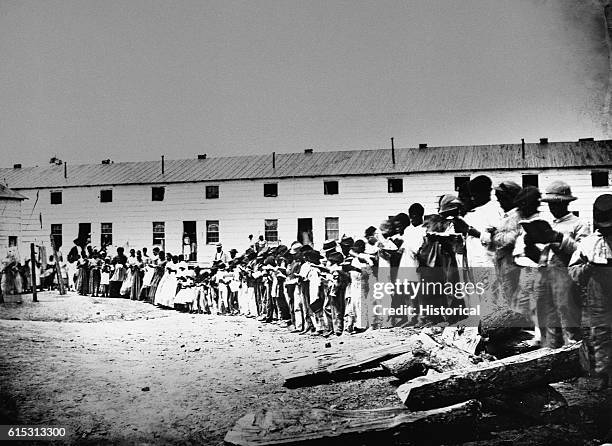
point(292, 288)
point(334, 306)
point(558, 298)
point(220, 255)
point(590, 266)
point(358, 312)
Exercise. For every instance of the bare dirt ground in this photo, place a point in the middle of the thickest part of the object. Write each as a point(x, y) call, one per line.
point(115, 371)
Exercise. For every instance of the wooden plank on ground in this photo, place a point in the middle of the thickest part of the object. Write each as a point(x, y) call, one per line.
point(325, 366)
point(523, 371)
point(314, 426)
point(436, 357)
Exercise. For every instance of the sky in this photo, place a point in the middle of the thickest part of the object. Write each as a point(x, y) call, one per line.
point(133, 80)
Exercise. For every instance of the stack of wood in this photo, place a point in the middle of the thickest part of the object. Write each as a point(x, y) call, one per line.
point(446, 378)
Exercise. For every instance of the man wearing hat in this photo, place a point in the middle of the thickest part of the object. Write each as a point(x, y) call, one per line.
point(310, 283)
point(222, 279)
point(335, 304)
point(220, 255)
point(505, 237)
point(590, 267)
point(558, 299)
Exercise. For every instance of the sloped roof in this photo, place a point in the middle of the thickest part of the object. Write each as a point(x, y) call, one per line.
point(319, 164)
point(8, 194)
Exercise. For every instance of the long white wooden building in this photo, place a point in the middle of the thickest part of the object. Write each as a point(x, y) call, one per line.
point(11, 220)
point(188, 205)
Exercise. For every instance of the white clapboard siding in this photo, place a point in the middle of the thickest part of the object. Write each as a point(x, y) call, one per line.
point(241, 207)
point(10, 225)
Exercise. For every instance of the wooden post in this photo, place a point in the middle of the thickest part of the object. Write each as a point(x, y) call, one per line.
point(58, 268)
point(33, 266)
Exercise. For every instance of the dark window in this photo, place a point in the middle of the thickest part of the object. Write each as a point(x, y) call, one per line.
point(106, 196)
point(460, 181)
point(56, 197)
point(56, 234)
point(271, 230)
point(271, 190)
point(395, 185)
point(157, 193)
point(212, 192)
point(530, 180)
point(330, 187)
point(332, 228)
point(212, 231)
point(576, 213)
point(12, 241)
point(106, 234)
point(159, 234)
point(599, 178)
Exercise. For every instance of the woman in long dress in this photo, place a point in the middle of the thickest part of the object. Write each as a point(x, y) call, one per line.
point(73, 272)
point(126, 286)
point(148, 271)
point(83, 277)
point(160, 270)
point(186, 295)
point(136, 268)
point(166, 291)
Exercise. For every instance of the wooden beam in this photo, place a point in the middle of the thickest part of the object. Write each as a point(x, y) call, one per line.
point(436, 357)
point(523, 371)
point(33, 271)
point(315, 369)
point(313, 426)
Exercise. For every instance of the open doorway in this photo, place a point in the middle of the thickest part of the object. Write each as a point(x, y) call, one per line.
point(304, 231)
point(190, 242)
point(84, 233)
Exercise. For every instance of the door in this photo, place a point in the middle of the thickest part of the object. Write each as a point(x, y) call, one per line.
point(304, 232)
point(190, 242)
point(84, 234)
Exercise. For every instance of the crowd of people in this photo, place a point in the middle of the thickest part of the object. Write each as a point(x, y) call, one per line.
point(553, 271)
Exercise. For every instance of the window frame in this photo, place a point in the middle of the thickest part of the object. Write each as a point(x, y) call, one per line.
point(210, 239)
point(523, 177)
point(211, 188)
point(270, 194)
point(391, 187)
point(55, 193)
point(329, 230)
point(57, 235)
point(155, 197)
point(156, 238)
point(273, 232)
point(326, 190)
point(106, 237)
point(102, 193)
point(595, 173)
point(462, 179)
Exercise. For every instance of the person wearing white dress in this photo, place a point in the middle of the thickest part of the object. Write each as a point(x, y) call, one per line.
point(166, 291)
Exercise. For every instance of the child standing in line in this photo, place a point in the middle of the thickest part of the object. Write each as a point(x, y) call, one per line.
point(105, 277)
